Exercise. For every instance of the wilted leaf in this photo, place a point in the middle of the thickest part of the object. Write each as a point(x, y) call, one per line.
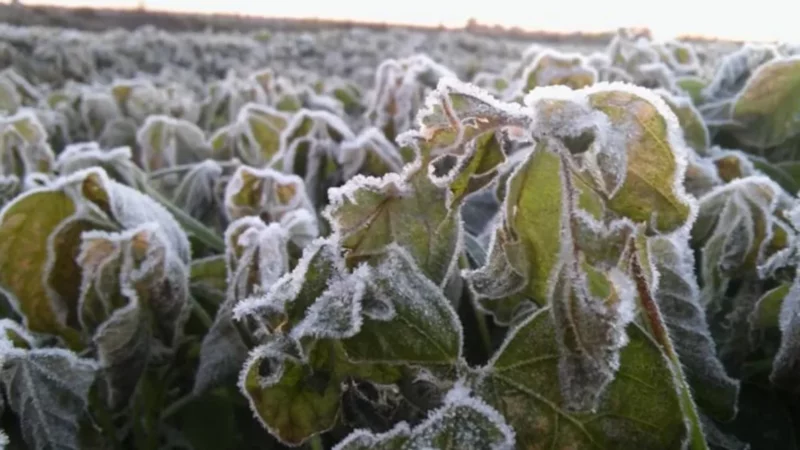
point(134, 302)
point(678, 298)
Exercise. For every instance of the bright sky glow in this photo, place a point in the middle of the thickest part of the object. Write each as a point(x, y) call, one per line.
point(764, 20)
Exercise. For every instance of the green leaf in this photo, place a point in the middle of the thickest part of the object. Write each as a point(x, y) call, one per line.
point(26, 227)
point(693, 86)
point(264, 193)
point(766, 112)
point(648, 189)
point(554, 68)
point(407, 318)
point(767, 311)
point(369, 214)
point(167, 142)
point(210, 272)
point(293, 400)
point(462, 422)
point(641, 408)
point(694, 128)
point(48, 391)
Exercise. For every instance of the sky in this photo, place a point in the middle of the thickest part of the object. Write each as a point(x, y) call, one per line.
point(763, 20)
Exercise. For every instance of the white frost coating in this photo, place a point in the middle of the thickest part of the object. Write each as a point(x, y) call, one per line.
point(346, 194)
point(7, 325)
point(250, 242)
point(459, 416)
point(286, 288)
point(245, 138)
point(336, 314)
point(352, 154)
point(675, 138)
point(735, 67)
point(748, 168)
point(179, 141)
point(273, 187)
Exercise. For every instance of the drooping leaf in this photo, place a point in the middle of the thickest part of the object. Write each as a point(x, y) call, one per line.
point(678, 298)
point(134, 302)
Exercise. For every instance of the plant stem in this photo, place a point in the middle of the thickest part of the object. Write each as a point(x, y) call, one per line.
point(201, 313)
point(659, 332)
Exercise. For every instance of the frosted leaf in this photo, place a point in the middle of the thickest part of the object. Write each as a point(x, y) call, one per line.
point(680, 57)
point(622, 126)
point(48, 237)
point(310, 145)
point(139, 99)
point(97, 110)
point(555, 68)
point(591, 310)
point(13, 334)
point(731, 164)
point(786, 365)
point(336, 314)
point(399, 92)
point(368, 214)
point(523, 381)
point(371, 153)
point(678, 298)
point(456, 113)
point(131, 208)
point(48, 389)
point(739, 231)
point(497, 286)
point(10, 100)
point(116, 162)
point(254, 137)
point(407, 319)
point(765, 111)
point(285, 302)
point(256, 258)
point(463, 421)
point(167, 142)
point(272, 378)
point(736, 68)
point(197, 193)
point(264, 193)
point(23, 145)
point(695, 132)
point(133, 302)
point(16, 91)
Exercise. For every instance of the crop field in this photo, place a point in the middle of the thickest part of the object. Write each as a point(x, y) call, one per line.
point(352, 238)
